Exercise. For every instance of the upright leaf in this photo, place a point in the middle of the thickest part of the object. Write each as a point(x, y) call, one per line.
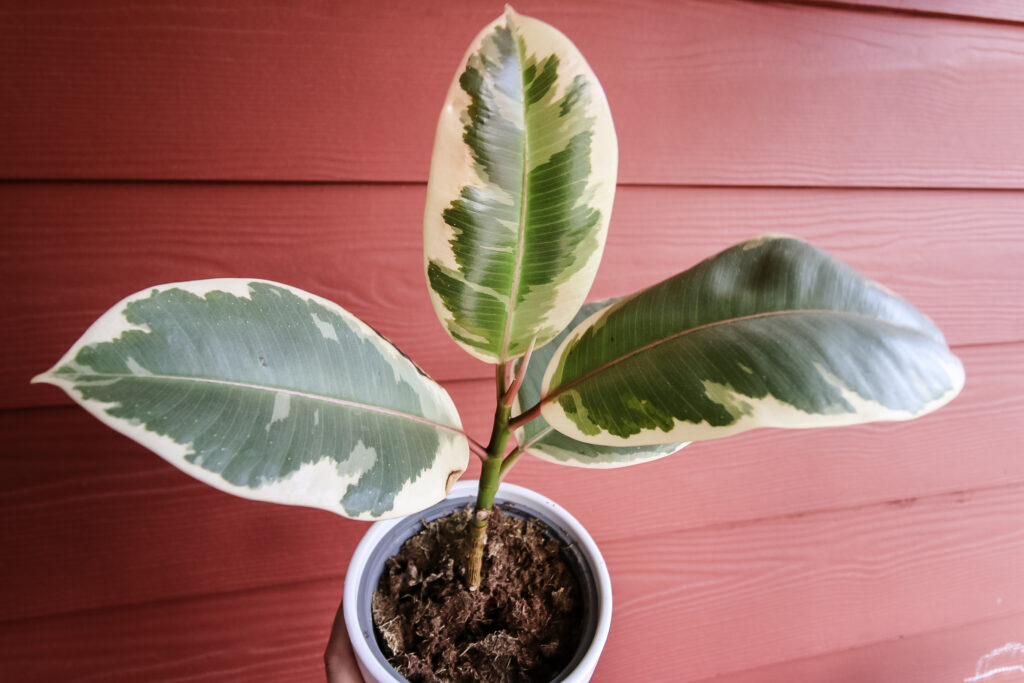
point(772, 332)
point(521, 187)
point(271, 393)
point(541, 440)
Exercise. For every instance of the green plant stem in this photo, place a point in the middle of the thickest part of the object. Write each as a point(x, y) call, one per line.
point(490, 475)
point(491, 472)
point(495, 465)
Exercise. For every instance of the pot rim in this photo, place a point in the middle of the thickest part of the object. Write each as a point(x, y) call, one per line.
point(523, 499)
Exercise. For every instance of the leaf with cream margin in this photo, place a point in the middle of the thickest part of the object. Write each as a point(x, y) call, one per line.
point(539, 439)
point(271, 393)
point(769, 333)
point(521, 185)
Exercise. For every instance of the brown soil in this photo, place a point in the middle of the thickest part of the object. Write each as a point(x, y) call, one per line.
point(521, 625)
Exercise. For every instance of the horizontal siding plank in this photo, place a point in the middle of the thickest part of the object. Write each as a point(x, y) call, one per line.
point(72, 250)
point(702, 93)
point(134, 529)
point(969, 653)
point(723, 599)
point(714, 601)
point(271, 635)
point(998, 10)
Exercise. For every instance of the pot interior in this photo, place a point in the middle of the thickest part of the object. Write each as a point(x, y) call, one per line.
point(408, 527)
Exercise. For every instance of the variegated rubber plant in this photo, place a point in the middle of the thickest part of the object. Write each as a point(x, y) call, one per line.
point(272, 393)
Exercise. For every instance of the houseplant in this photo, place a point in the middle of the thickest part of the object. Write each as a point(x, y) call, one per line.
point(269, 392)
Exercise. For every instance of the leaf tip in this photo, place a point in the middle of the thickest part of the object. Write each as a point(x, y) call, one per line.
point(511, 17)
point(43, 378)
point(760, 240)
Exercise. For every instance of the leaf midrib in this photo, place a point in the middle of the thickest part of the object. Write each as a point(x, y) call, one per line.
point(517, 268)
point(699, 328)
point(291, 392)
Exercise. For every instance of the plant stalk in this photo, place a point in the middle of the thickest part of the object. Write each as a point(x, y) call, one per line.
point(490, 477)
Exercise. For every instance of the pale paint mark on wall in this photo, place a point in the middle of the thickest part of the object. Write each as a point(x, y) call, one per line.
point(1001, 665)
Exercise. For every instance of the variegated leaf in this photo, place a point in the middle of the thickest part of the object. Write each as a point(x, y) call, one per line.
point(769, 333)
point(521, 186)
point(541, 440)
point(270, 393)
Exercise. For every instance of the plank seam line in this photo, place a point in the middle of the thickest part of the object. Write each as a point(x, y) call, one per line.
point(959, 496)
point(478, 378)
point(899, 11)
point(184, 597)
point(955, 347)
point(217, 182)
point(861, 646)
point(337, 577)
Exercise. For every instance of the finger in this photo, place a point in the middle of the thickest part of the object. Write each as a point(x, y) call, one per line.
point(339, 660)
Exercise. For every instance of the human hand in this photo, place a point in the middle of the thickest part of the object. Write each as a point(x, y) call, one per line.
point(339, 660)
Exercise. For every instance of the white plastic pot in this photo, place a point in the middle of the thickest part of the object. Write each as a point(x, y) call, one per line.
point(385, 538)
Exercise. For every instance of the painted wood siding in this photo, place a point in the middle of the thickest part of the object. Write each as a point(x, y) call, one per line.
point(152, 142)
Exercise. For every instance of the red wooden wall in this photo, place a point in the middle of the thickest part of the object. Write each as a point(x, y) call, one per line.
point(151, 142)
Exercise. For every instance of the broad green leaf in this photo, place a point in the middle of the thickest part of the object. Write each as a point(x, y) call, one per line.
point(769, 333)
point(271, 393)
point(521, 186)
point(541, 440)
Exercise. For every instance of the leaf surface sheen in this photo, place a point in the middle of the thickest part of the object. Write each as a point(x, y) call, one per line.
point(771, 332)
point(520, 191)
point(271, 393)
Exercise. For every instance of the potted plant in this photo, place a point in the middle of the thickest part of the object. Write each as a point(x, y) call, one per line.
point(269, 392)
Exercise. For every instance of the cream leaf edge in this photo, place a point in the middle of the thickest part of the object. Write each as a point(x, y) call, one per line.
point(313, 485)
point(452, 168)
point(763, 412)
